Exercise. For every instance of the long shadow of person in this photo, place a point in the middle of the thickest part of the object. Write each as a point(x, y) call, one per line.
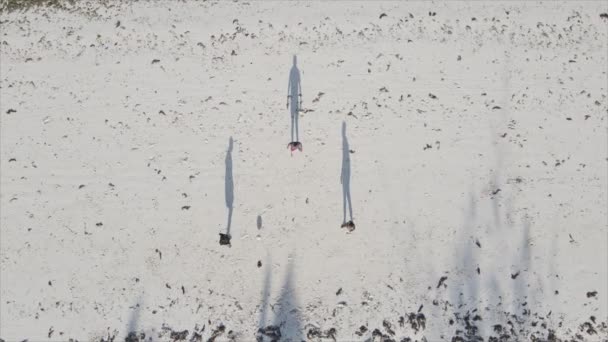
point(263, 330)
point(345, 181)
point(132, 334)
point(286, 325)
point(294, 99)
point(229, 192)
point(287, 318)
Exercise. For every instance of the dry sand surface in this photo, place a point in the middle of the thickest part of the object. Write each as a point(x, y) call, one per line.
point(471, 138)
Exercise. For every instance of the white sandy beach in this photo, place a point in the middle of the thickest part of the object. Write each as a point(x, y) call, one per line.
point(478, 152)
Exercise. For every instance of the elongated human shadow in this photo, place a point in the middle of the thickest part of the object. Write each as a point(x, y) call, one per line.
point(229, 194)
point(294, 98)
point(286, 325)
point(287, 317)
point(265, 295)
point(345, 176)
point(132, 333)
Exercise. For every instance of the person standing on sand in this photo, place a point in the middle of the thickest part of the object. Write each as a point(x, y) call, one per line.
point(294, 98)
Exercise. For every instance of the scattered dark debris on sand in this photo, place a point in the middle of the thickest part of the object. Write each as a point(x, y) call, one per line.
point(259, 263)
point(319, 95)
point(378, 335)
point(417, 321)
point(316, 333)
point(505, 326)
point(154, 61)
point(135, 337)
point(388, 327)
point(604, 16)
point(513, 276)
point(179, 335)
point(186, 207)
point(339, 292)
point(196, 337)
point(271, 331)
point(12, 160)
point(591, 294)
point(382, 15)
point(588, 328)
point(495, 192)
point(441, 280)
point(219, 331)
point(362, 330)
point(432, 96)
point(225, 239)
point(11, 110)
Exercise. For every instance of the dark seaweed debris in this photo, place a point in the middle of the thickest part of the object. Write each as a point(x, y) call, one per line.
point(315, 332)
point(441, 280)
point(271, 331)
point(219, 331)
point(179, 335)
point(362, 330)
point(417, 321)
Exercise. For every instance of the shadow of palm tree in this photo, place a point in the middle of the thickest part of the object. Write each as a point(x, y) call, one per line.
point(229, 194)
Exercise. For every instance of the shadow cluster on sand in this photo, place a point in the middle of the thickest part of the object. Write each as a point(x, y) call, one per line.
point(286, 324)
point(499, 318)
